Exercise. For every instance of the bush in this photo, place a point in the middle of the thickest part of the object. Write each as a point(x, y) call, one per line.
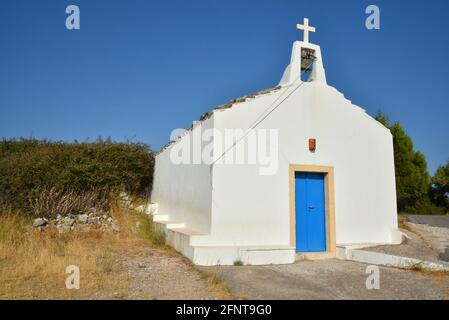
point(425, 206)
point(440, 186)
point(238, 263)
point(31, 168)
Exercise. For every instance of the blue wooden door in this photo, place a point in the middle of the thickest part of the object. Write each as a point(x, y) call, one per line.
point(310, 212)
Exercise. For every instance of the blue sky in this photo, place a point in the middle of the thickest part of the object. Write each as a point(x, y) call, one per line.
point(138, 69)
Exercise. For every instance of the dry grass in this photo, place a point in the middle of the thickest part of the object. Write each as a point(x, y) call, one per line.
point(216, 286)
point(33, 263)
point(403, 224)
point(64, 202)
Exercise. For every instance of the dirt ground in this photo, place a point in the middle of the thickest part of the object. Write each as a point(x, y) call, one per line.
point(155, 273)
point(143, 273)
point(126, 265)
point(132, 263)
point(329, 279)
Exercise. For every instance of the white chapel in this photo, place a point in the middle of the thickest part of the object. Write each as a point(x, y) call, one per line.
point(292, 171)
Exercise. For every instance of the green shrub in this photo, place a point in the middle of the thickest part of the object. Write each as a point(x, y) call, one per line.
point(425, 206)
point(440, 186)
point(238, 263)
point(146, 230)
point(29, 168)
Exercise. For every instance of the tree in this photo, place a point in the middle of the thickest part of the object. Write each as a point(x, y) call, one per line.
point(440, 186)
point(382, 118)
point(412, 177)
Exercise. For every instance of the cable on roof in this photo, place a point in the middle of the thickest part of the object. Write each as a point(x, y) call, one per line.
point(257, 121)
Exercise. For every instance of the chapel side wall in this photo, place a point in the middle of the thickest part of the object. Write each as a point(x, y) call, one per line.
point(183, 191)
point(252, 209)
point(248, 209)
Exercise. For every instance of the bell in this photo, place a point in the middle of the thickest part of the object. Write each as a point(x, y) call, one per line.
point(307, 58)
point(305, 64)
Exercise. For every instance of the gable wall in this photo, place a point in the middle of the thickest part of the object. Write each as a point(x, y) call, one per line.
point(252, 209)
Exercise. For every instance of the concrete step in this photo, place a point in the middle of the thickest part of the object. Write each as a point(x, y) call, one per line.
point(356, 253)
point(180, 238)
point(174, 225)
point(160, 218)
point(186, 231)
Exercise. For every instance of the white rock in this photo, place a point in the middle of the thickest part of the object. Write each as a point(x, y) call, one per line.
point(115, 227)
point(83, 218)
point(142, 208)
point(40, 222)
point(93, 219)
point(67, 221)
point(63, 228)
point(124, 196)
point(150, 208)
point(153, 208)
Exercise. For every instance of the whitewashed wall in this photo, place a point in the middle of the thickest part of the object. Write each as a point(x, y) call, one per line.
point(251, 209)
point(236, 206)
point(183, 192)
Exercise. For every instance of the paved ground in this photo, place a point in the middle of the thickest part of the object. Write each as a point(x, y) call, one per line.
point(413, 247)
point(329, 279)
point(433, 221)
point(428, 239)
point(434, 230)
point(336, 279)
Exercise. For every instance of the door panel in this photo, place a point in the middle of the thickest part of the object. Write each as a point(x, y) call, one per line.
point(310, 212)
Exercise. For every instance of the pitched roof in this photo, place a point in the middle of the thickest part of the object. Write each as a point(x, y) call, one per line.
point(227, 105)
